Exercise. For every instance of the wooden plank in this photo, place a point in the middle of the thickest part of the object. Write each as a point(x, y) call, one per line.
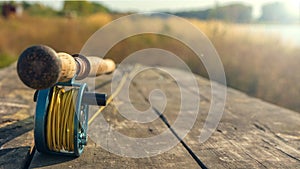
point(13, 157)
point(251, 134)
point(96, 157)
point(16, 120)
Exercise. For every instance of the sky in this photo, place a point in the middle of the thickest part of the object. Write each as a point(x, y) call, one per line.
point(182, 5)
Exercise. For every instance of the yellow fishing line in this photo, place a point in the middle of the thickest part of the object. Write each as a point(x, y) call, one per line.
point(116, 92)
point(60, 119)
point(61, 112)
point(123, 80)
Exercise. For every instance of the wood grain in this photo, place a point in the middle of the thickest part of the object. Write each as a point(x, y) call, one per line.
point(251, 133)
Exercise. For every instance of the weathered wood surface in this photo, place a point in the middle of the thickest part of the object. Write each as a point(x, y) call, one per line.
point(16, 120)
point(251, 134)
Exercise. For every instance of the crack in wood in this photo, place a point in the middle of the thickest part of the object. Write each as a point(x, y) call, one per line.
point(259, 127)
point(16, 129)
point(29, 157)
point(267, 129)
point(280, 150)
point(289, 155)
point(276, 141)
point(243, 150)
point(249, 155)
point(165, 121)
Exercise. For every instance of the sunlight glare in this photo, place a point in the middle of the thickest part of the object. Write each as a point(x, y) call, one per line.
point(293, 7)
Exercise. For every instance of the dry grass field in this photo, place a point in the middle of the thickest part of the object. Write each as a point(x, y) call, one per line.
point(260, 65)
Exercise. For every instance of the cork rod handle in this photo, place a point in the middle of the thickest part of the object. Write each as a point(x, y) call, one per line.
point(40, 67)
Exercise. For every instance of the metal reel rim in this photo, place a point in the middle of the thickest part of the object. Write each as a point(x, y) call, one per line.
point(80, 136)
point(40, 120)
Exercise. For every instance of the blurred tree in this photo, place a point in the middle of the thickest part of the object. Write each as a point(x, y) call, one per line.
point(11, 9)
point(239, 13)
point(195, 14)
point(38, 9)
point(25, 5)
point(275, 12)
point(83, 7)
point(80, 7)
point(1, 4)
point(97, 7)
point(214, 13)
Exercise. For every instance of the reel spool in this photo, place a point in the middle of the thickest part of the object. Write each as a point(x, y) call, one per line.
point(61, 118)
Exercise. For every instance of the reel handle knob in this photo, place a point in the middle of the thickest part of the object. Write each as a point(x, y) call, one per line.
point(40, 67)
point(90, 98)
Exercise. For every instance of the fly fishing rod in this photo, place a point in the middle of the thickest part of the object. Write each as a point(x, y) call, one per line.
point(61, 116)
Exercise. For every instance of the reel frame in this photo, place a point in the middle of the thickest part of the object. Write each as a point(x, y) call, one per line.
point(43, 98)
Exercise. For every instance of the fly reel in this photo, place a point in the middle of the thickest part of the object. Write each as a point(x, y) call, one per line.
point(61, 118)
